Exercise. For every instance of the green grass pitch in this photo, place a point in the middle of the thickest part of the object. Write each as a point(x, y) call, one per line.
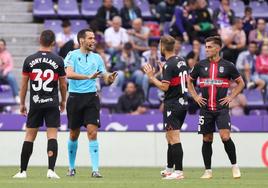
point(134, 178)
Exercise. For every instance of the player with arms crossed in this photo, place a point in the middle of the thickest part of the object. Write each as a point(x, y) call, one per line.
point(175, 104)
point(83, 66)
point(44, 69)
point(214, 75)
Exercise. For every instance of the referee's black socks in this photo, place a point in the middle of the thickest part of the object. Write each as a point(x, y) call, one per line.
point(177, 155)
point(52, 152)
point(207, 153)
point(230, 150)
point(26, 153)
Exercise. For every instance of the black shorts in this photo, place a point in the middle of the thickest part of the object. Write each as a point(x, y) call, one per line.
point(36, 117)
point(208, 119)
point(173, 116)
point(83, 109)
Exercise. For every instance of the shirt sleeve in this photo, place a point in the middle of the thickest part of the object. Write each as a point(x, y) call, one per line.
point(167, 73)
point(194, 74)
point(101, 66)
point(234, 74)
point(69, 60)
point(61, 68)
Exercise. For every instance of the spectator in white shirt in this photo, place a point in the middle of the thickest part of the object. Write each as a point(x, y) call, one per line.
point(115, 36)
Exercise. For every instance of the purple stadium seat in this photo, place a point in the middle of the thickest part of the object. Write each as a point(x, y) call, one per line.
point(89, 7)
point(145, 8)
point(54, 25)
point(110, 95)
point(6, 96)
point(238, 7)
point(153, 97)
point(43, 9)
point(77, 25)
point(186, 48)
point(254, 97)
point(68, 8)
point(214, 4)
point(259, 9)
point(104, 111)
point(166, 28)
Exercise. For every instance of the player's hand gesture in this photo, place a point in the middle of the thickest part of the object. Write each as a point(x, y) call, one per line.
point(62, 106)
point(112, 77)
point(200, 100)
point(95, 75)
point(160, 65)
point(149, 70)
point(23, 110)
point(226, 100)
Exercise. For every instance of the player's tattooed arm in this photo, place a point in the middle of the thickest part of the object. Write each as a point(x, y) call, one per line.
point(198, 99)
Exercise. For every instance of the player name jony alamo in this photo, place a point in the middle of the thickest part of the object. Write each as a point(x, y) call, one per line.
point(44, 60)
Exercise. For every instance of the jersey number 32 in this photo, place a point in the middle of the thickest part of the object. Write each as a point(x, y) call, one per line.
point(48, 74)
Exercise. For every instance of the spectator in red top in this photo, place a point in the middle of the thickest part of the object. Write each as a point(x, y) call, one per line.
point(262, 63)
point(6, 66)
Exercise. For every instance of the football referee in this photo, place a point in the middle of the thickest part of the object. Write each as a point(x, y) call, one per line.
point(83, 66)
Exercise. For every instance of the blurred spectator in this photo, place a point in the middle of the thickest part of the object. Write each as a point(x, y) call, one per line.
point(100, 49)
point(249, 22)
point(178, 22)
point(223, 16)
point(164, 11)
point(129, 12)
point(259, 35)
point(152, 57)
point(193, 57)
point(262, 63)
point(131, 101)
point(234, 39)
point(115, 36)
point(128, 66)
point(66, 40)
point(139, 35)
point(238, 104)
point(105, 15)
point(6, 66)
point(199, 23)
point(246, 65)
point(178, 48)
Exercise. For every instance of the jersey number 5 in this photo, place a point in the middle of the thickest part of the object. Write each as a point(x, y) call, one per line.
point(183, 77)
point(48, 74)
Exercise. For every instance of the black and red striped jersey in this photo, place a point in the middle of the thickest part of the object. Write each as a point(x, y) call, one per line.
point(214, 80)
point(44, 69)
point(175, 73)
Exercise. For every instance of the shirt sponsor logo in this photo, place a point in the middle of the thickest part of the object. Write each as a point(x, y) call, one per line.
point(37, 100)
point(221, 69)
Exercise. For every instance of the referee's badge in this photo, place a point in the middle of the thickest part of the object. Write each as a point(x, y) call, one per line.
point(221, 69)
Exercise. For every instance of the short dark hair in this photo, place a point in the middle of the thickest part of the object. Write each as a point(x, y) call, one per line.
point(248, 9)
point(3, 41)
point(66, 23)
point(253, 42)
point(47, 38)
point(154, 44)
point(82, 34)
point(168, 42)
point(215, 39)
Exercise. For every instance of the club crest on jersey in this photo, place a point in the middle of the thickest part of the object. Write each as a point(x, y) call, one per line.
point(221, 69)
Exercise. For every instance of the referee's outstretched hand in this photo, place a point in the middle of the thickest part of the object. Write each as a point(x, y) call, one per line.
point(112, 77)
point(23, 110)
point(95, 75)
point(200, 100)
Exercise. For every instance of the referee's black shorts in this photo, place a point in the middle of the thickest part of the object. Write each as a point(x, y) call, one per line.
point(83, 109)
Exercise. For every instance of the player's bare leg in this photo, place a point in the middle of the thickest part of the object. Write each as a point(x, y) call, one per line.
point(52, 152)
point(207, 154)
point(26, 152)
point(92, 131)
point(72, 149)
point(229, 147)
point(173, 137)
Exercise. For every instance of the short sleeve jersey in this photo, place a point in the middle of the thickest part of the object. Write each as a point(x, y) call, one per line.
point(214, 80)
point(86, 64)
point(44, 69)
point(175, 74)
